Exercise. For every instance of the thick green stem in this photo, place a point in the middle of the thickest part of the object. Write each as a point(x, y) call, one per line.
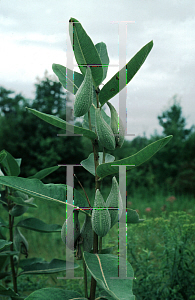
point(100, 245)
point(11, 256)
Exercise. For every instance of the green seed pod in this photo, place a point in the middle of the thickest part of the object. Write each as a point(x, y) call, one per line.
point(87, 234)
point(72, 235)
point(84, 95)
point(112, 201)
point(119, 134)
point(20, 194)
point(20, 242)
point(100, 218)
point(104, 132)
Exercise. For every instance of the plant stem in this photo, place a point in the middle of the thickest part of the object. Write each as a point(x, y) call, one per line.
point(11, 256)
point(100, 245)
point(85, 273)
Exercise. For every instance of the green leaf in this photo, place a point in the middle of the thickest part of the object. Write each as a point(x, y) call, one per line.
point(4, 243)
point(132, 217)
point(104, 266)
point(8, 253)
point(70, 81)
point(7, 291)
point(55, 121)
point(9, 165)
point(111, 88)
point(88, 163)
point(54, 266)
point(137, 159)
point(102, 51)
point(45, 172)
point(85, 51)
point(50, 192)
point(20, 201)
point(38, 225)
point(54, 294)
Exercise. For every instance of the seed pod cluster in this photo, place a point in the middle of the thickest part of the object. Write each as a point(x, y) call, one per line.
point(72, 234)
point(84, 95)
point(119, 134)
point(104, 131)
point(114, 200)
point(87, 234)
point(101, 221)
point(20, 242)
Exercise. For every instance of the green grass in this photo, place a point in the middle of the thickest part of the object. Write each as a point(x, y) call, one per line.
point(142, 236)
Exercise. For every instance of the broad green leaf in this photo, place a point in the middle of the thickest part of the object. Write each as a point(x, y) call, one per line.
point(20, 201)
point(50, 192)
point(85, 51)
point(137, 159)
point(88, 163)
point(45, 172)
point(55, 121)
point(111, 88)
point(104, 266)
point(38, 225)
point(30, 261)
point(54, 266)
point(9, 165)
point(54, 294)
point(70, 80)
point(102, 51)
point(4, 243)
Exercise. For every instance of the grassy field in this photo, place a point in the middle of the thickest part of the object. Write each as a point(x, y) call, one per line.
point(145, 241)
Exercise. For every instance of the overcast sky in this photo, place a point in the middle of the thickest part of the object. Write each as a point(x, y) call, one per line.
point(33, 36)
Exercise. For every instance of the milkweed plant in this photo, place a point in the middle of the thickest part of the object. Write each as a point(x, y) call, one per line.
point(105, 133)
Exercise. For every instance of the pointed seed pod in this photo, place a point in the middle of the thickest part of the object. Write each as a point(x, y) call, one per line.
point(84, 95)
point(72, 234)
point(100, 218)
point(20, 242)
point(119, 134)
point(104, 132)
point(87, 234)
point(112, 201)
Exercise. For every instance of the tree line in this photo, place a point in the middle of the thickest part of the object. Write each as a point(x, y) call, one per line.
point(36, 142)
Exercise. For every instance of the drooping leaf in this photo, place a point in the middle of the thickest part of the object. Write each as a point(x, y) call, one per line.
point(104, 266)
point(111, 88)
point(55, 121)
point(85, 51)
point(54, 266)
point(9, 165)
point(135, 160)
point(88, 163)
point(70, 80)
point(38, 225)
point(50, 192)
point(54, 294)
point(102, 51)
point(45, 172)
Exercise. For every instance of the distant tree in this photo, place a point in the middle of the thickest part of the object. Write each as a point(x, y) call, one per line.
point(35, 141)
